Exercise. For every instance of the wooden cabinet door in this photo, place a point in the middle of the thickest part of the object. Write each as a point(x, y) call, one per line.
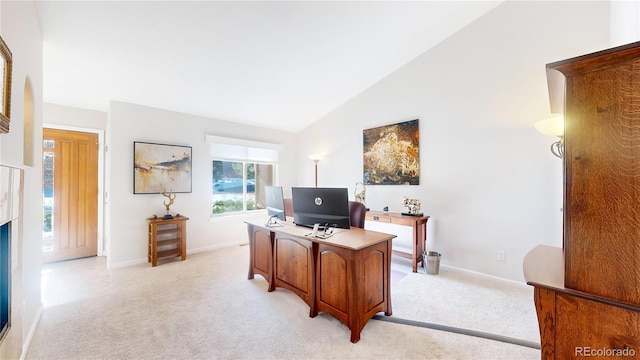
point(602, 170)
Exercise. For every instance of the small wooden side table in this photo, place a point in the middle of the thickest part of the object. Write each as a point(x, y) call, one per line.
point(167, 238)
point(419, 225)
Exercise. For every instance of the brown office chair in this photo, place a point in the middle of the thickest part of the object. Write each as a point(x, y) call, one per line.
point(288, 207)
point(357, 211)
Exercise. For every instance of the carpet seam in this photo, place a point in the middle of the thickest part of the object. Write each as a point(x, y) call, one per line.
point(457, 330)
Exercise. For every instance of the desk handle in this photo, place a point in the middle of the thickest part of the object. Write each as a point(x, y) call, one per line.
point(376, 218)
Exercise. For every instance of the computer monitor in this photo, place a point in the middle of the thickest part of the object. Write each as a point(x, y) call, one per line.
point(275, 204)
point(324, 206)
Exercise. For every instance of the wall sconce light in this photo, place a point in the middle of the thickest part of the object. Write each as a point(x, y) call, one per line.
point(553, 126)
point(315, 159)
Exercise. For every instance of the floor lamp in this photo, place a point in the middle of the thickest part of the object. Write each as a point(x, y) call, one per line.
point(315, 160)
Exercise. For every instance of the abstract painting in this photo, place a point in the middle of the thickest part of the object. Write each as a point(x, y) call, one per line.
point(391, 154)
point(159, 168)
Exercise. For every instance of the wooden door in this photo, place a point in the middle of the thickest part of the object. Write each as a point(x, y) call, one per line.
point(70, 168)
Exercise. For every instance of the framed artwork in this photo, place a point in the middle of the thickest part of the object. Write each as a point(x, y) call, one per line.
point(159, 168)
point(5, 86)
point(391, 154)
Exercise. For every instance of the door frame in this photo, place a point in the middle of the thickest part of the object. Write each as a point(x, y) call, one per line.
point(101, 194)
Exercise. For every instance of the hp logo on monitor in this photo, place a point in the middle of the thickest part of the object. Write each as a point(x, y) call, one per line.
point(318, 201)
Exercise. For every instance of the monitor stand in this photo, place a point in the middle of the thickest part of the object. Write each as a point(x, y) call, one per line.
point(273, 222)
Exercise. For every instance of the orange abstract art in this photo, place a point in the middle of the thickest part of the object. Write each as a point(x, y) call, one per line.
point(391, 154)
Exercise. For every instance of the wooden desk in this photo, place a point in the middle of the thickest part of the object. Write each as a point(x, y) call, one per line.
point(347, 275)
point(419, 225)
point(571, 321)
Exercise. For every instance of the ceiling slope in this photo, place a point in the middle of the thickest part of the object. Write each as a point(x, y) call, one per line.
point(280, 65)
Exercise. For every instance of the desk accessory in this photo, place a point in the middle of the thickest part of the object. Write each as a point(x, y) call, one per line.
point(413, 205)
point(171, 196)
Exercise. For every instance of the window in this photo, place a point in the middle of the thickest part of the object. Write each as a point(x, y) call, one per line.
point(239, 186)
point(240, 171)
point(48, 158)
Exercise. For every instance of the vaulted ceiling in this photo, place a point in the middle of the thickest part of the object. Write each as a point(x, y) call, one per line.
point(274, 64)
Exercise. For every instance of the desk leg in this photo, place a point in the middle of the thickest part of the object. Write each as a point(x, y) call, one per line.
point(252, 245)
point(419, 243)
point(417, 251)
point(150, 231)
point(183, 240)
point(270, 261)
point(313, 308)
point(423, 241)
point(261, 254)
point(154, 246)
point(353, 285)
point(370, 286)
point(387, 279)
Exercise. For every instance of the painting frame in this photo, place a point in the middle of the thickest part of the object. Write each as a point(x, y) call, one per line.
point(391, 154)
point(6, 67)
point(159, 168)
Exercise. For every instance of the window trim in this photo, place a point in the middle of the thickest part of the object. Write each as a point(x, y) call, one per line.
point(212, 139)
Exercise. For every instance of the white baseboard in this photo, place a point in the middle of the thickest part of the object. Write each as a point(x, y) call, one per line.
point(217, 246)
point(488, 277)
point(32, 330)
point(144, 260)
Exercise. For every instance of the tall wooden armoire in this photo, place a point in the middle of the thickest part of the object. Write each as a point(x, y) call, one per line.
point(587, 294)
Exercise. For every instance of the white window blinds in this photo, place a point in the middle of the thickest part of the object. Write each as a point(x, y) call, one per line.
point(245, 150)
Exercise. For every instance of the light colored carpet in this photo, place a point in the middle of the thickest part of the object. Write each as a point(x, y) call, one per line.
point(461, 300)
point(205, 308)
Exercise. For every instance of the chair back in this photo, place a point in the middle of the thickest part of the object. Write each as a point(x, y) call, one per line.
point(288, 207)
point(357, 212)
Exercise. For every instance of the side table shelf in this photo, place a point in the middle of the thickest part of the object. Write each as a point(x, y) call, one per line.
point(167, 238)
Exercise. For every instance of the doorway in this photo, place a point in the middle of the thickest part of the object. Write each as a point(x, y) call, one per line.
point(70, 192)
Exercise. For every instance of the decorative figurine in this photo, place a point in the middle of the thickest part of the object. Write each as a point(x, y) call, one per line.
point(171, 196)
point(413, 205)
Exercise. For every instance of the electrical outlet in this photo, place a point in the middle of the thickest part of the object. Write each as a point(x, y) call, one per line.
point(502, 256)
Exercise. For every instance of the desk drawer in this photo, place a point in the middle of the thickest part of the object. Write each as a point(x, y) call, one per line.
point(378, 218)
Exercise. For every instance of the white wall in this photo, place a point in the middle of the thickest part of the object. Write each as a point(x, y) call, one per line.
point(21, 32)
point(488, 179)
point(74, 117)
point(625, 22)
point(126, 212)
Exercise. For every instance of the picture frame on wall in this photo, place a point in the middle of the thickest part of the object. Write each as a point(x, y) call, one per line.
point(6, 66)
point(159, 168)
point(391, 154)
